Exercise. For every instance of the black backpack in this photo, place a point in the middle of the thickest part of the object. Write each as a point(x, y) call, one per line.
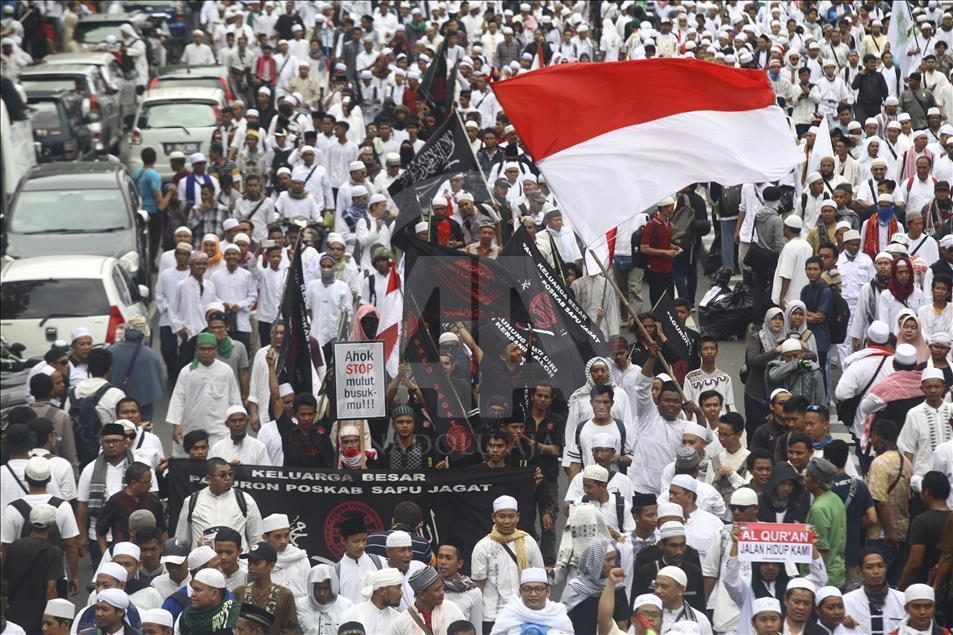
point(839, 318)
point(619, 425)
point(638, 260)
point(86, 423)
point(25, 508)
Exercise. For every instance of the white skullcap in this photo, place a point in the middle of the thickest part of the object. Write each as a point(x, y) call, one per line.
point(284, 170)
point(392, 157)
point(285, 389)
point(744, 497)
point(946, 241)
point(159, 617)
point(916, 592)
point(376, 198)
point(398, 539)
point(464, 196)
point(685, 482)
point(878, 162)
point(200, 556)
point(448, 338)
point(358, 190)
point(671, 529)
point(793, 221)
point(883, 197)
point(801, 583)
point(350, 431)
point(197, 157)
point(234, 410)
point(883, 255)
point(814, 177)
point(645, 599)
point(699, 431)
point(904, 116)
point(63, 609)
point(826, 592)
point(230, 247)
point(275, 522)
point(210, 577)
point(790, 345)
point(439, 201)
point(828, 203)
point(941, 337)
point(114, 597)
point(666, 202)
point(127, 549)
point(676, 574)
point(851, 234)
point(300, 173)
point(596, 472)
point(841, 225)
point(78, 332)
point(604, 440)
point(905, 354)
point(766, 604)
point(421, 227)
point(931, 373)
point(113, 570)
point(335, 238)
point(670, 509)
point(505, 502)
point(534, 574)
point(356, 165)
point(893, 125)
point(252, 112)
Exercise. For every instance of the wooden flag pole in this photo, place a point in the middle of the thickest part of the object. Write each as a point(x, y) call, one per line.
point(638, 322)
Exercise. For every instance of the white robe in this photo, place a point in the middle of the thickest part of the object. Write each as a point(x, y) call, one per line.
point(328, 304)
point(351, 573)
point(376, 621)
point(442, 617)
point(201, 397)
point(238, 288)
point(248, 451)
point(188, 304)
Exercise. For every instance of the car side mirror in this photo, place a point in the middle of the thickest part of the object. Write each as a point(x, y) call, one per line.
point(143, 292)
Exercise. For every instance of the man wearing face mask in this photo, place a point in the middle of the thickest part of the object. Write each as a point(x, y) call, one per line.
point(297, 201)
point(329, 303)
point(865, 310)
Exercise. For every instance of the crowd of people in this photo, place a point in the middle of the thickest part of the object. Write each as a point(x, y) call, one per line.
point(643, 477)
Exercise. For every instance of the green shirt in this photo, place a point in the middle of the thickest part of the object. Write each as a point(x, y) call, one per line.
point(830, 518)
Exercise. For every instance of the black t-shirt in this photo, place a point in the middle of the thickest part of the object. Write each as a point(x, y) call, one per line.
point(926, 529)
point(311, 450)
point(28, 566)
point(550, 431)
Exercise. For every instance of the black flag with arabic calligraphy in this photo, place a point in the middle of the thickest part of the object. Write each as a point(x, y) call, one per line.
point(447, 153)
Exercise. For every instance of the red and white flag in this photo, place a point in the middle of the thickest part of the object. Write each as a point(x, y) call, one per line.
point(612, 139)
point(392, 311)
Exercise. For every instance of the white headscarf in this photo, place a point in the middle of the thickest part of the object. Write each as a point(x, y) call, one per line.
point(322, 573)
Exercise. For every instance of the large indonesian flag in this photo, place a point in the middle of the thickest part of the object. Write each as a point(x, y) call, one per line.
point(614, 138)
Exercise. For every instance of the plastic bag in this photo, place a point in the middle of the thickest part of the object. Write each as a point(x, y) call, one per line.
point(727, 314)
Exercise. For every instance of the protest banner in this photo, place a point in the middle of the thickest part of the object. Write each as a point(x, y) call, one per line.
point(456, 503)
point(775, 542)
point(359, 383)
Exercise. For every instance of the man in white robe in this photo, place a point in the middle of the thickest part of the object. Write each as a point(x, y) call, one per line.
point(428, 599)
point(382, 593)
point(204, 391)
point(239, 448)
point(190, 299)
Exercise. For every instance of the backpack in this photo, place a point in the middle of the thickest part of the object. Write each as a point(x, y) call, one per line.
point(621, 427)
point(86, 422)
point(242, 503)
point(839, 318)
point(638, 260)
point(25, 508)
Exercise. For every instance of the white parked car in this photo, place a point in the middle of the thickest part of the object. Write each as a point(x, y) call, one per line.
point(173, 119)
point(42, 299)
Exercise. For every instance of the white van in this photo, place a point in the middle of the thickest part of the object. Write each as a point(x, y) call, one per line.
point(18, 152)
point(173, 119)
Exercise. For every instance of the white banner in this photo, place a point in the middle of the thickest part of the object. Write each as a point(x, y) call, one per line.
point(359, 380)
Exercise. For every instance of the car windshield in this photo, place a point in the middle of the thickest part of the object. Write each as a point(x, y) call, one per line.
point(177, 114)
point(61, 211)
point(95, 32)
point(46, 116)
point(32, 84)
point(40, 299)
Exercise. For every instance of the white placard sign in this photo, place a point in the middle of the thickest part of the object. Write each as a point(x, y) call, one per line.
point(359, 380)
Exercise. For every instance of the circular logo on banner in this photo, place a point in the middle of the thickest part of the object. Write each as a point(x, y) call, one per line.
point(458, 438)
point(332, 535)
point(541, 310)
point(472, 282)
